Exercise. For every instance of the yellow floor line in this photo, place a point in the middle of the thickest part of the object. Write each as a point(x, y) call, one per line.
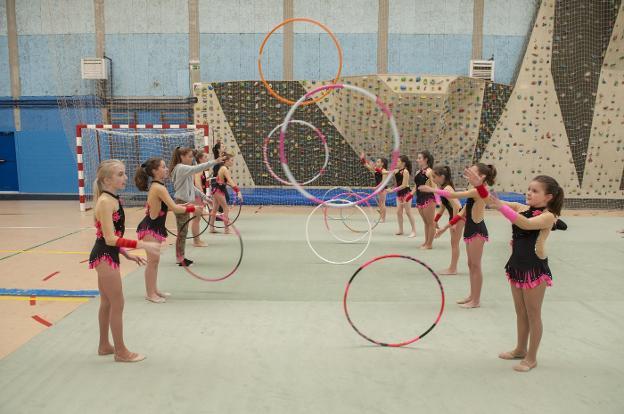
point(45, 298)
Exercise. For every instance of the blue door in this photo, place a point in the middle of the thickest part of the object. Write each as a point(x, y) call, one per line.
point(8, 163)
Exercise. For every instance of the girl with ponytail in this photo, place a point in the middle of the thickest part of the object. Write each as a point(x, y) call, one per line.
point(475, 231)
point(109, 243)
point(441, 176)
point(182, 173)
point(152, 227)
point(527, 269)
point(403, 198)
point(380, 172)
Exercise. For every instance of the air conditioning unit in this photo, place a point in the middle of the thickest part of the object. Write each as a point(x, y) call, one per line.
point(93, 68)
point(482, 69)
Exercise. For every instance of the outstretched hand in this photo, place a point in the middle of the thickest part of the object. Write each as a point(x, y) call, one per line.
point(472, 177)
point(494, 202)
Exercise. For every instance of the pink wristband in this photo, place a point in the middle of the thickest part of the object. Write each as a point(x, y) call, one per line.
point(508, 212)
point(442, 193)
point(437, 198)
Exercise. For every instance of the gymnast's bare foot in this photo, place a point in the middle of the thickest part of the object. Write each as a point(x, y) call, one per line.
point(399, 233)
point(515, 354)
point(412, 235)
point(106, 349)
point(462, 301)
point(470, 305)
point(448, 272)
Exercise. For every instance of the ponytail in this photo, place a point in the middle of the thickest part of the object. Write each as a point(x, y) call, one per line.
point(445, 171)
point(489, 171)
point(144, 171)
point(176, 157)
point(407, 162)
point(551, 186)
point(426, 154)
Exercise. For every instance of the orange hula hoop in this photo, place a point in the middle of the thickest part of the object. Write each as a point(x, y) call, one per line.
point(266, 38)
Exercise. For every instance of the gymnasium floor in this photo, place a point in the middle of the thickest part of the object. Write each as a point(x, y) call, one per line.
point(274, 339)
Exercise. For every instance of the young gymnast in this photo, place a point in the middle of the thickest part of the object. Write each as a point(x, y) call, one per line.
point(219, 185)
point(216, 152)
point(425, 202)
point(475, 231)
point(527, 269)
point(182, 172)
point(403, 198)
point(201, 182)
point(441, 176)
point(380, 171)
point(109, 243)
point(152, 227)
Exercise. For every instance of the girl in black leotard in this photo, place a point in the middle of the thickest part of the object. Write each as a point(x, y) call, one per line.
point(527, 269)
point(152, 227)
point(380, 171)
point(425, 202)
point(109, 223)
point(222, 179)
point(441, 176)
point(403, 198)
point(475, 232)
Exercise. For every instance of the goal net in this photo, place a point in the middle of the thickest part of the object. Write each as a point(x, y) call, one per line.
point(133, 144)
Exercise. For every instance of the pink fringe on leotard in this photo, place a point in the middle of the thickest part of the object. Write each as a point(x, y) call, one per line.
point(426, 203)
point(476, 236)
point(103, 258)
point(530, 284)
point(148, 232)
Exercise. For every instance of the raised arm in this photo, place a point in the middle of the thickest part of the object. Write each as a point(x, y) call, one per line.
point(472, 193)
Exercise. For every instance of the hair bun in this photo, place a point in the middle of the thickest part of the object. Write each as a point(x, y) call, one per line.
point(143, 165)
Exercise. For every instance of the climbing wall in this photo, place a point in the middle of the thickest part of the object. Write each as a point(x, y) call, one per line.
point(530, 137)
point(604, 168)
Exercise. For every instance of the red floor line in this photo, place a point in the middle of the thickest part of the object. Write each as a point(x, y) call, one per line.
point(41, 320)
point(51, 275)
point(33, 300)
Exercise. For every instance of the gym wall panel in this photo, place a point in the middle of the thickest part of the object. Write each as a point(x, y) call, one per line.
point(508, 18)
point(38, 17)
point(430, 17)
point(148, 64)
point(354, 16)
point(50, 64)
point(233, 56)
point(508, 52)
point(429, 54)
point(45, 162)
point(239, 16)
point(5, 76)
point(3, 18)
point(146, 16)
point(6, 117)
point(315, 56)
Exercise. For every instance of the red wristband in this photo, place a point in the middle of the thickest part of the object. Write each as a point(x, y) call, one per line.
point(483, 191)
point(190, 208)
point(121, 242)
point(378, 170)
point(363, 161)
point(455, 219)
point(437, 217)
point(409, 197)
point(236, 189)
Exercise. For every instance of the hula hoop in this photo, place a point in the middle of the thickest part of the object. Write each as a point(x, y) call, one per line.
point(307, 233)
point(380, 105)
point(220, 278)
point(396, 344)
point(266, 38)
point(202, 231)
point(324, 197)
point(318, 133)
point(344, 220)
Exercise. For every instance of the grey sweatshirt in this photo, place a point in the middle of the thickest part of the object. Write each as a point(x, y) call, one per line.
point(183, 184)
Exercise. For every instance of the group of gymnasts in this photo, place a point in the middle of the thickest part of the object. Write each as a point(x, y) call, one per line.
point(151, 232)
point(527, 269)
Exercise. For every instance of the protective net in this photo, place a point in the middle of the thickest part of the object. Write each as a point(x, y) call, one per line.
point(133, 147)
